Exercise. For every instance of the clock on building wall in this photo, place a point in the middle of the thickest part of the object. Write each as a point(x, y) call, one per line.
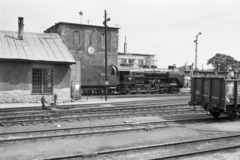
point(90, 50)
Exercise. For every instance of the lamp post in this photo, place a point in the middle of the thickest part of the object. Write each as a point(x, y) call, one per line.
point(106, 78)
point(196, 41)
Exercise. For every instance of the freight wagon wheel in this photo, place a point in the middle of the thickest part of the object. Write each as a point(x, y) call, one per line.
point(231, 113)
point(215, 114)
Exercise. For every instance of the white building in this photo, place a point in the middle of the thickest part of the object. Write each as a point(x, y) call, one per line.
point(136, 60)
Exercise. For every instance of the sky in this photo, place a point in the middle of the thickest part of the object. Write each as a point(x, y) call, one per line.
point(165, 28)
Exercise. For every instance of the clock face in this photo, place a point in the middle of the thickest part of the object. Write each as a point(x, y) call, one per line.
point(90, 50)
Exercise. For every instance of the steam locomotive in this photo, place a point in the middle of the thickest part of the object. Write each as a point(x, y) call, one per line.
point(149, 81)
point(134, 81)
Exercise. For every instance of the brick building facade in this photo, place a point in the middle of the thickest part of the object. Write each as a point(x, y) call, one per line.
point(86, 43)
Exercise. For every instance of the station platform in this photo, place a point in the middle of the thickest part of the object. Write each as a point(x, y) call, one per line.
point(97, 100)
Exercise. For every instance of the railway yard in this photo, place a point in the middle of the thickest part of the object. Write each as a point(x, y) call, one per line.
point(139, 127)
point(69, 92)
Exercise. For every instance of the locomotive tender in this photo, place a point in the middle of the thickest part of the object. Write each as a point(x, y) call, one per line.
point(217, 94)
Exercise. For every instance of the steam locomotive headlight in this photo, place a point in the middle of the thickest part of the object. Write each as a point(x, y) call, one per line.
point(129, 78)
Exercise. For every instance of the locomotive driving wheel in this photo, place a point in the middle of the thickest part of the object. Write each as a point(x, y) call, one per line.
point(231, 113)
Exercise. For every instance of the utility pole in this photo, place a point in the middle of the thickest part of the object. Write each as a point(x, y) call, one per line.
point(106, 78)
point(196, 41)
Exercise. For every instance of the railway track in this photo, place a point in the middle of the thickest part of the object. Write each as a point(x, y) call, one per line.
point(92, 130)
point(108, 107)
point(136, 95)
point(93, 105)
point(181, 149)
point(57, 116)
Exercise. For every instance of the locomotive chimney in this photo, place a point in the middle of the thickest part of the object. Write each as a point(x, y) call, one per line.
point(20, 28)
point(125, 46)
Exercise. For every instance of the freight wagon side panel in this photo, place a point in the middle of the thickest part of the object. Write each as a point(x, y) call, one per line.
point(206, 90)
point(238, 92)
point(217, 91)
point(197, 90)
point(230, 90)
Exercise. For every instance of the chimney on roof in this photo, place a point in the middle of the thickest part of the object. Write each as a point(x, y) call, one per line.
point(125, 46)
point(20, 28)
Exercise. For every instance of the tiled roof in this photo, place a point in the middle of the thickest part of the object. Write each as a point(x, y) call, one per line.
point(34, 47)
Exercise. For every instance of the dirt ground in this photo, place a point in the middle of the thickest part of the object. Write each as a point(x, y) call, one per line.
point(74, 145)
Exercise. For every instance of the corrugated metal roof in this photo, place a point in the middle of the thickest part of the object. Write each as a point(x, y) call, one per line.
point(34, 47)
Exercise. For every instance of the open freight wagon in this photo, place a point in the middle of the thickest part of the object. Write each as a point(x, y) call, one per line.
point(216, 95)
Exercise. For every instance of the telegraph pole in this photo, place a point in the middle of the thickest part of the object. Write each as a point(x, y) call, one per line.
point(106, 78)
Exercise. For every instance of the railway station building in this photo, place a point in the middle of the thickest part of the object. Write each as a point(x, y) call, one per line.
point(86, 44)
point(33, 65)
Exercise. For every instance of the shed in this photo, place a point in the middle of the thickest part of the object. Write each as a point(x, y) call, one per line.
point(33, 65)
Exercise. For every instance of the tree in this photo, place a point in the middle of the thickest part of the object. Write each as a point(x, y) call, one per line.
point(223, 61)
point(236, 66)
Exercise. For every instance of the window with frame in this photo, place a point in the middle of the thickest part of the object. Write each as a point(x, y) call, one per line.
point(123, 61)
point(140, 62)
point(147, 62)
point(131, 61)
point(77, 37)
point(42, 81)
